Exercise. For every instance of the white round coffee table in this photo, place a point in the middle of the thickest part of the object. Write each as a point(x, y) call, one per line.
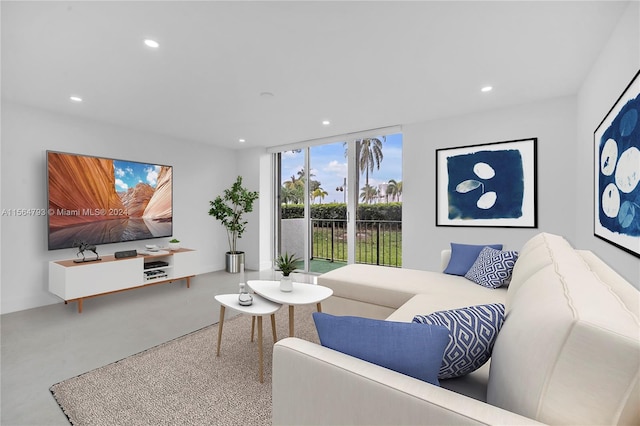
point(302, 294)
point(258, 308)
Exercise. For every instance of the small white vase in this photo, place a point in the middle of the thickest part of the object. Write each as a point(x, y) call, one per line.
point(174, 246)
point(286, 284)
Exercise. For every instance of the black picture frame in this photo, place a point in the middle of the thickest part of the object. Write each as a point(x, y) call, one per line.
point(488, 185)
point(616, 172)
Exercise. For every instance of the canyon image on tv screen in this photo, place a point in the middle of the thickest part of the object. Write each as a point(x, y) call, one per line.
point(103, 200)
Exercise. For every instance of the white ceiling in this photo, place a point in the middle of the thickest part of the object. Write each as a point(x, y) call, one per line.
point(362, 65)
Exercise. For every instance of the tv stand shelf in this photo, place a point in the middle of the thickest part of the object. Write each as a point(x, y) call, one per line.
point(74, 282)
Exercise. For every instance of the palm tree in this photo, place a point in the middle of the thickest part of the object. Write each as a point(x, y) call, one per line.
point(286, 195)
point(319, 193)
point(394, 188)
point(291, 183)
point(368, 193)
point(293, 190)
point(369, 155)
point(302, 177)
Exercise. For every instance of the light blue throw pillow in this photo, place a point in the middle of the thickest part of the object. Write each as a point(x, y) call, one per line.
point(408, 348)
point(492, 268)
point(473, 331)
point(463, 256)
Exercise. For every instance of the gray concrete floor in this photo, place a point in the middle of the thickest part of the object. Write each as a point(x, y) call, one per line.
point(46, 345)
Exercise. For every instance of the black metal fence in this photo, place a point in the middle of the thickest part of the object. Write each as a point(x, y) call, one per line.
point(378, 242)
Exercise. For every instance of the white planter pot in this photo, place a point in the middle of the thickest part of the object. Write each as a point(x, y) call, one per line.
point(174, 246)
point(286, 284)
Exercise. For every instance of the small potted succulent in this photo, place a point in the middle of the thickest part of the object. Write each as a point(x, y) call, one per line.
point(286, 263)
point(174, 244)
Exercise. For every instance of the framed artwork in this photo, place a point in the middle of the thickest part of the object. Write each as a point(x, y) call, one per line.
point(492, 185)
point(616, 197)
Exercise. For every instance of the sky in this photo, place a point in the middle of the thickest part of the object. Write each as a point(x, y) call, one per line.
point(129, 173)
point(329, 166)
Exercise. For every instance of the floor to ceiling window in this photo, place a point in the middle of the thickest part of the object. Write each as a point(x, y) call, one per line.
point(320, 187)
point(378, 226)
point(328, 212)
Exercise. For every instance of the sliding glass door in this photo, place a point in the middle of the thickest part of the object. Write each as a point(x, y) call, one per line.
point(379, 203)
point(328, 191)
point(312, 210)
point(291, 225)
point(340, 203)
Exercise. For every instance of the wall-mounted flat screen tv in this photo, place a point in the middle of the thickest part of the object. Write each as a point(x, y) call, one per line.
point(102, 200)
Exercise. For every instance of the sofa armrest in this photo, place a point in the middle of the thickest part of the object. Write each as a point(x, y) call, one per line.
point(316, 385)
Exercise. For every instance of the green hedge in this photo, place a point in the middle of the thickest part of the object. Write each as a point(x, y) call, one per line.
point(385, 211)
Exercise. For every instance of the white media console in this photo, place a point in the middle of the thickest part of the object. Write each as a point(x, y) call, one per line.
point(73, 281)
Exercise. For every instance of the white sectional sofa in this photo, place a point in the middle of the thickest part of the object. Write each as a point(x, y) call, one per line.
point(567, 353)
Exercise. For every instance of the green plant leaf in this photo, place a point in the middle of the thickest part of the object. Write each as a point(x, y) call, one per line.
point(286, 263)
point(230, 207)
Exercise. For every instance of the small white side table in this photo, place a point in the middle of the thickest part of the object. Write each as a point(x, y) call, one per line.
point(259, 308)
point(302, 294)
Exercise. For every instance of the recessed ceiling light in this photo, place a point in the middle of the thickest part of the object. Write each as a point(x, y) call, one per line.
point(325, 122)
point(152, 43)
point(75, 98)
point(486, 89)
point(241, 140)
point(266, 95)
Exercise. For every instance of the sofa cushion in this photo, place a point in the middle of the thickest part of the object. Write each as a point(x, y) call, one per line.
point(568, 351)
point(534, 256)
point(463, 256)
point(393, 287)
point(618, 285)
point(472, 334)
point(492, 268)
point(411, 349)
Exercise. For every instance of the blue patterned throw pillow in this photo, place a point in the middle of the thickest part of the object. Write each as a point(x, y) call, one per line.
point(472, 333)
point(492, 268)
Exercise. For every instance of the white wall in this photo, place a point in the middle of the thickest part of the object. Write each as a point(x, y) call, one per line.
point(609, 76)
point(27, 133)
point(564, 128)
point(552, 122)
point(254, 166)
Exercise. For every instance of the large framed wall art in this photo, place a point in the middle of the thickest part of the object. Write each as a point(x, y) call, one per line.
point(490, 185)
point(617, 172)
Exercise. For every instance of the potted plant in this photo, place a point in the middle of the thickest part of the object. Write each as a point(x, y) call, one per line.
point(286, 263)
point(174, 244)
point(228, 209)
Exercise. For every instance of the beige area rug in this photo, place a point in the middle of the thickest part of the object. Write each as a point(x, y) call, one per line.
point(182, 382)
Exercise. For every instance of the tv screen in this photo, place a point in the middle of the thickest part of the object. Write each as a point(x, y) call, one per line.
point(102, 200)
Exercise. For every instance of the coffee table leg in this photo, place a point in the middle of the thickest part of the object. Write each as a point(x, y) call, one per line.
point(253, 326)
point(220, 328)
point(273, 327)
point(291, 315)
point(319, 306)
point(260, 348)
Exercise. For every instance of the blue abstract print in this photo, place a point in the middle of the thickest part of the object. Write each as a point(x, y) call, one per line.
point(619, 172)
point(486, 185)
